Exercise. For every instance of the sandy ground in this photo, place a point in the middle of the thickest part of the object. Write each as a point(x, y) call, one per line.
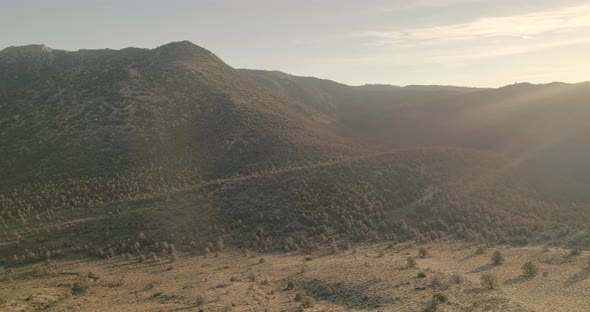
point(369, 278)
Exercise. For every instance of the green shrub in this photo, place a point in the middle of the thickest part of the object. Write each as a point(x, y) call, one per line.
point(421, 275)
point(529, 269)
point(440, 297)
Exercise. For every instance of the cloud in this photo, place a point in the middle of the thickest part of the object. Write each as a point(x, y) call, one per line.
point(525, 26)
point(425, 4)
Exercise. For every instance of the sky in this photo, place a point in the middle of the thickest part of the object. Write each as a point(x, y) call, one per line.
point(485, 43)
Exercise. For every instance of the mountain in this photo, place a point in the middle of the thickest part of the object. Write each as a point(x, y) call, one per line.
point(93, 112)
point(543, 128)
point(98, 146)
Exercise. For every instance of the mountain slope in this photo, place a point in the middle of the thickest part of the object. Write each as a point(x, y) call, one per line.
point(542, 127)
point(99, 146)
point(177, 106)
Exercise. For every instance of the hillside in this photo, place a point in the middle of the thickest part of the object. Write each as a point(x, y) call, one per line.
point(541, 127)
point(174, 108)
point(110, 152)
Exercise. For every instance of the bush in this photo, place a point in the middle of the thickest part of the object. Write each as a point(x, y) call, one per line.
point(437, 299)
point(497, 258)
point(457, 278)
point(489, 281)
point(200, 300)
point(480, 250)
point(81, 285)
point(576, 252)
point(440, 297)
point(529, 269)
point(422, 252)
point(173, 257)
point(439, 282)
point(307, 302)
point(299, 297)
point(334, 248)
point(421, 275)
point(411, 262)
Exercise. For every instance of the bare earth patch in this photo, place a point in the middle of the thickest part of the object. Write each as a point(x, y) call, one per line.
point(374, 278)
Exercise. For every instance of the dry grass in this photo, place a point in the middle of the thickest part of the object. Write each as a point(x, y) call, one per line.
point(328, 283)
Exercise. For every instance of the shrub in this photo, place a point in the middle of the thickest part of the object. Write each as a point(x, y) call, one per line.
point(480, 250)
point(576, 252)
point(497, 258)
point(81, 285)
point(439, 282)
point(261, 261)
point(529, 269)
point(422, 252)
point(440, 297)
point(307, 302)
point(411, 262)
point(251, 277)
point(489, 281)
point(173, 257)
point(220, 244)
point(200, 300)
point(333, 248)
point(421, 275)
point(437, 299)
point(299, 297)
point(457, 278)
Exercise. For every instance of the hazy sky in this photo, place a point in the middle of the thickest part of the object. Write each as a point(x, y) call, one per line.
point(459, 42)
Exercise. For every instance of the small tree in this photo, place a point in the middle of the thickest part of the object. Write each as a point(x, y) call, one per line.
point(529, 269)
point(497, 258)
point(411, 262)
point(489, 281)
